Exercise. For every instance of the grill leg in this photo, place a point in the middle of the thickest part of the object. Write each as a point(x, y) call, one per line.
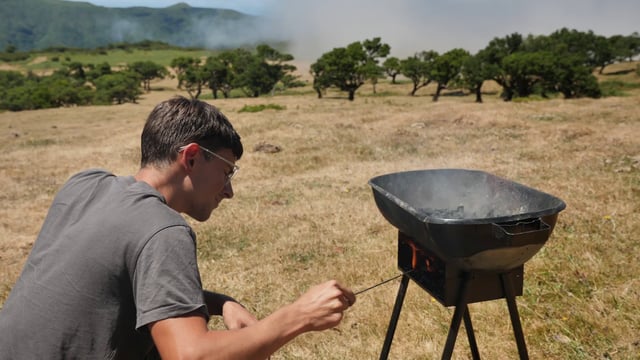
point(461, 309)
point(404, 283)
point(470, 334)
point(515, 317)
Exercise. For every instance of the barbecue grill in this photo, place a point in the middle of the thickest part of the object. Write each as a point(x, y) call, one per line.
point(464, 236)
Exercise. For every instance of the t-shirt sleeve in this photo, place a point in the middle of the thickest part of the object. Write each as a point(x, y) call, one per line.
point(167, 281)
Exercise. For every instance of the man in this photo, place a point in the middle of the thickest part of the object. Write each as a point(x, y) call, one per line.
point(113, 271)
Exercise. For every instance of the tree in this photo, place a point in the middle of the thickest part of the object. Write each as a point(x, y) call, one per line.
point(96, 71)
point(626, 47)
point(258, 78)
point(494, 54)
point(193, 78)
point(603, 53)
point(446, 68)
point(375, 50)
point(321, 77)
point(148, 70)
point(596, 51)
point(522, 71)
point(180, 66)
point(267, 69)
point(66, 91)
point(75, 70)
point(347, 68)
point(344, 68)
point(391, 67)
point(572, 79)
point(418, 69)
point(219, 75)
point(474, 72)
point(19, 92)
point(119, 87)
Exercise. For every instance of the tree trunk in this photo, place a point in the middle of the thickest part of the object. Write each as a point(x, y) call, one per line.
point(478, 94)
point(438, 90)
point(352, 95)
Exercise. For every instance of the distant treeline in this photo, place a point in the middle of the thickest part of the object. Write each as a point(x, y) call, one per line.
point(251, 73)
point(561, 63)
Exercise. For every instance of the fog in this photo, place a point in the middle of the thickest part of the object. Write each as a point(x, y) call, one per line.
point(408, 26)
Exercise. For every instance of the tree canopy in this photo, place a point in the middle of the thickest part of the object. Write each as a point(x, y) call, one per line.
point(348, 68)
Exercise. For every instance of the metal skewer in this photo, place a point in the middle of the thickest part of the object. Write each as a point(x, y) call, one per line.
point(382, 283)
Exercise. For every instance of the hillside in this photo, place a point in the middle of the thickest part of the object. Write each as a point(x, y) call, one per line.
point(40, 24)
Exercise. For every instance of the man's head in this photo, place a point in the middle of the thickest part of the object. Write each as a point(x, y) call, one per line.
point(180, 121)
point(190, 149)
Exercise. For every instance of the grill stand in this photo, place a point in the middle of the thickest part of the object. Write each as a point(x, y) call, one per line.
point(461, 313)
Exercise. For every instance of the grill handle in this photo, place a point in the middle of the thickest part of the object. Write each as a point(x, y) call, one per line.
point(520, 233)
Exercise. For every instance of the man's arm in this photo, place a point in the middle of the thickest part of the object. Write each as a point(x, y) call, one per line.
point(234, 315)
point(187, 337)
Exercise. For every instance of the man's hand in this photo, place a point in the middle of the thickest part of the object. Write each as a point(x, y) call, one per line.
point(236, 316)
point(323, 305)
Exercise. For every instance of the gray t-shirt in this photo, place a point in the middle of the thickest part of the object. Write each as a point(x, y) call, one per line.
point(111, 257)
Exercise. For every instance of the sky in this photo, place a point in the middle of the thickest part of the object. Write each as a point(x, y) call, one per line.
point(411, 26)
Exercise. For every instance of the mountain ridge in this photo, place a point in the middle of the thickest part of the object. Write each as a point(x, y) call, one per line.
point(40, 24)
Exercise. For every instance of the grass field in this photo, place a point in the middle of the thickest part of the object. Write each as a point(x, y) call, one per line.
point(306, 214)
point(45, 62)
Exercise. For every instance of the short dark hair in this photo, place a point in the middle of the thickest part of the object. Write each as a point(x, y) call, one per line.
point(180, 121)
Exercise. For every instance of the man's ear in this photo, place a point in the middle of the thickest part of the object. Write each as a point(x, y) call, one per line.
point(187, 156)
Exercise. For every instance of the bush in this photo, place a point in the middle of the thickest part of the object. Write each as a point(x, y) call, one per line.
point(261, 107)
point(13, 56)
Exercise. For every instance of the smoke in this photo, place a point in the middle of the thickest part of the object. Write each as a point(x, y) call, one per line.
point(409, 26)
point(311, 28)
point(125, 30)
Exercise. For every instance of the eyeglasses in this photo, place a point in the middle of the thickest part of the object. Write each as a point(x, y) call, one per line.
point(234, 167)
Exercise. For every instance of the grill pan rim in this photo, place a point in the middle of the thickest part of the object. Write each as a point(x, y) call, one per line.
point(558, 206)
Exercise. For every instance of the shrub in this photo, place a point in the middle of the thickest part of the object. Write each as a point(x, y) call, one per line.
point(261, 107)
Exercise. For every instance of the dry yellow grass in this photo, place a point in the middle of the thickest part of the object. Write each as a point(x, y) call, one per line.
point(306, 214)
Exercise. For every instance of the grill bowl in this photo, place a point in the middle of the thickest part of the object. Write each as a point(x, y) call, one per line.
point(471, 218)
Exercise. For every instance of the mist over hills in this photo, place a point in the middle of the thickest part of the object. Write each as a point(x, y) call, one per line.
point(40, 24)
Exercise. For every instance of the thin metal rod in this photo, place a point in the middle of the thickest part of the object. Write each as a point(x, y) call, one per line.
point(404, 283)
point(515, 317)
point(458, 313)
point(381, 283)
point(473, 345)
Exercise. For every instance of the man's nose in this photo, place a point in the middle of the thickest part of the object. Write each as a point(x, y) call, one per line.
point(227, 192)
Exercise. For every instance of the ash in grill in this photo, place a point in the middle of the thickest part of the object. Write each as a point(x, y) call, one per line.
point(464, 236)
point(444, 213)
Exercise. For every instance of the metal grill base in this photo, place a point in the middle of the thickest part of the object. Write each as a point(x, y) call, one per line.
point(465, 284)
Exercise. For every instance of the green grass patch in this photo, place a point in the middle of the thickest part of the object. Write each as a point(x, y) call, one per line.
point(261, 107)
point(116, 57)
point(530, 98)
point(617, 87)
point(40, 142)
